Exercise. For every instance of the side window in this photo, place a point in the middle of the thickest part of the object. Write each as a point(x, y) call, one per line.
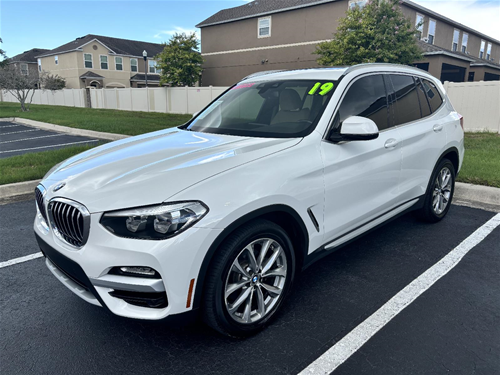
point(422, 98)
point(435, 99)
point(406, 107)
point(366, 98)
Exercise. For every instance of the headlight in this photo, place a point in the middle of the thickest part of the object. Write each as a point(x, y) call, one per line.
point(154, 222)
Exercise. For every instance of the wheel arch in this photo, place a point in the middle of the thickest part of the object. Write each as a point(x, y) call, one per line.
point(282, 215)
point(452, 155)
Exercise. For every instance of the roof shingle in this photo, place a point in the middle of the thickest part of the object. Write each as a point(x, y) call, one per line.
point(90, 74)
point(118, 46)
point(28, 56)
point(430, 49)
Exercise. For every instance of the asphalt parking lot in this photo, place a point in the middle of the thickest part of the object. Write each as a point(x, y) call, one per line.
point(17, 139)
point(452, 328)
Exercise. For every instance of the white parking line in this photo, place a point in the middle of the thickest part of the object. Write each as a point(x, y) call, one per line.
point(21, 131)
point(21, 259)
point(355, 339)
point(9, 126)
point(62, 144)
point(28, 139)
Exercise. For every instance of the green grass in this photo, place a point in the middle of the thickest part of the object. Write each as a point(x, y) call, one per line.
point(482, 159)
point(34, 166)
point(103, 120)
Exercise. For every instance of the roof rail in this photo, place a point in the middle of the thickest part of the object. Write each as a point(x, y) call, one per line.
point(263, 73)
point(359, 66)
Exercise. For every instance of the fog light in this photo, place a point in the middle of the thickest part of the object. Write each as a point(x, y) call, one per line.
point(143, 271)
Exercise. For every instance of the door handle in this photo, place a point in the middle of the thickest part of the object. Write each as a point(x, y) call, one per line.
point(391, 143)
point(437, 128)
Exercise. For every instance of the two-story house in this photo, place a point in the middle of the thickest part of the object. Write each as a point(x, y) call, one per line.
point(103, 62)
point(283, 34)
point(26, 62)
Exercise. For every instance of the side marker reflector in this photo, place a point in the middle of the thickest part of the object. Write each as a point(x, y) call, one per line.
point(190, 293)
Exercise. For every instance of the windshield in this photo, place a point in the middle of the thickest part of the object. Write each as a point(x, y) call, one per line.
point(271, 109)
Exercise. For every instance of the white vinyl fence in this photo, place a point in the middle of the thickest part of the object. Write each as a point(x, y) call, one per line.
point(187, 100)
point(478, 102)
point(156, 99)
point(66, 97)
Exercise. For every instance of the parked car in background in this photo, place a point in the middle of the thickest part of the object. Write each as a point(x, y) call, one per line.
point(220, 214)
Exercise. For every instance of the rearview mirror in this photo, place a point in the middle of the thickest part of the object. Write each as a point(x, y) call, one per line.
point(358, 128)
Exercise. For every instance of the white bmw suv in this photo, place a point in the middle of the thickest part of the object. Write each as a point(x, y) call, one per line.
point(220, 214)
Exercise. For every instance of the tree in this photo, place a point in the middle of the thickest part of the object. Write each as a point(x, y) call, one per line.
point(53, 82)
point(3, 56)
point(180, 62)
point(21, 86)
point(378, 32)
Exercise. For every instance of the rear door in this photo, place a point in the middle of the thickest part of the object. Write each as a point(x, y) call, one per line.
point(361, 177)
point(420, 117)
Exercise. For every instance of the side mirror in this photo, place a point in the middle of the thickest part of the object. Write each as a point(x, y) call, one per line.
point(195, 114)
point(358, 128)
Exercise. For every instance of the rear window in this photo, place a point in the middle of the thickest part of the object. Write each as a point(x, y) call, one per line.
point(435, 99)
point(406, 107)
point(422, 98)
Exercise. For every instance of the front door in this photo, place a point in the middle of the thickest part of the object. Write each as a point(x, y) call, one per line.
point(361, 177)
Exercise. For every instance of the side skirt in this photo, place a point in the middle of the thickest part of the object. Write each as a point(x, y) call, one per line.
point(351, 236)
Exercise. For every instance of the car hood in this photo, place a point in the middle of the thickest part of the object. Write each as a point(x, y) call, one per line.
point(150, 168)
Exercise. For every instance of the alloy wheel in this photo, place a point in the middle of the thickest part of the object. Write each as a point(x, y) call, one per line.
point(442, 191)
point(255, 281)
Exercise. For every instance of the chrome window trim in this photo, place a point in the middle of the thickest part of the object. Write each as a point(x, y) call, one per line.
point(86, 220)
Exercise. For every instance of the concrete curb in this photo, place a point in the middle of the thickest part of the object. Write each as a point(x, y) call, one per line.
point(486, 197)
point(66, 129)
point(18, 188)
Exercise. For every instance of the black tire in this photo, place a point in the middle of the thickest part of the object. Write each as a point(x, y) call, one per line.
point(214, 310)
point(427, 212)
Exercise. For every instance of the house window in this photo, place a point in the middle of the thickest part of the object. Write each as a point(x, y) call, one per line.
point(481, 51)
point(264, 27)
point(359, 3)
point(133, 65)
point(152, 66)
point(87, 58)
point(432, 31)
point(465, 39)
point(119, 63)
point(104, 61)
point(56, 60)
point(24, 69)
point(488, 52)
point(39, 65)
point(456, 36)
point(419, 24)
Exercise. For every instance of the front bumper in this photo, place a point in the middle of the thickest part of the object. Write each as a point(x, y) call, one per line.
point(85, 271)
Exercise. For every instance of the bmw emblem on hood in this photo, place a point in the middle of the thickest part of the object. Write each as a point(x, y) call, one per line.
point(59, 186)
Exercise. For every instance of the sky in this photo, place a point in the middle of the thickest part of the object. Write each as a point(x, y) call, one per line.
point(49, 24)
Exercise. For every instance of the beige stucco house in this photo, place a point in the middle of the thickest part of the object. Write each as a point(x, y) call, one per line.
point(102, 62)
point(283, 34)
